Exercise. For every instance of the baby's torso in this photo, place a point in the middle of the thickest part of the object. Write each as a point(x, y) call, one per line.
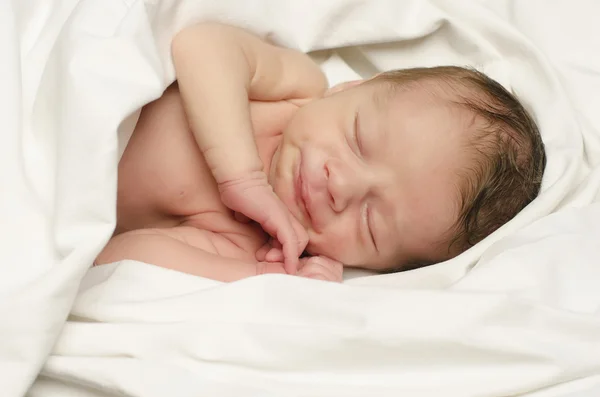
point(164, 181)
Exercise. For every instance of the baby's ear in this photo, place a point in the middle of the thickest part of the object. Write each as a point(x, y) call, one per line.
point(342, 86)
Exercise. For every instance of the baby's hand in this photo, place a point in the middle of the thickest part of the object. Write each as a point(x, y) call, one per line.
point(269, 268)
point(315, 267)
point(321, 268)
point(253, 197)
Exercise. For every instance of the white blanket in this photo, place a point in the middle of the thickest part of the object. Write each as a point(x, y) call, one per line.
point(516, 315)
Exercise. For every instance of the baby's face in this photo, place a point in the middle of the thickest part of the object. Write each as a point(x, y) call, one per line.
point(374, 177)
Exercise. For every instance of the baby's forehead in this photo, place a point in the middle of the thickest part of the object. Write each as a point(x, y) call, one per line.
point(393, 103)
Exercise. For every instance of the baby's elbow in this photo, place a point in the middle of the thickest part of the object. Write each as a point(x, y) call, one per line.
point(207, 38)
point(205, 32)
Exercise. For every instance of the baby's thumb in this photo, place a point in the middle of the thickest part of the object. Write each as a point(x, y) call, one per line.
point(274, 255)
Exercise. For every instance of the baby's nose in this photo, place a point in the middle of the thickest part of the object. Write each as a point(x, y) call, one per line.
point(344, 184)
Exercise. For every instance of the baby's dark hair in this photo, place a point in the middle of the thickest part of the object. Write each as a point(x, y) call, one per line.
point(507, 143)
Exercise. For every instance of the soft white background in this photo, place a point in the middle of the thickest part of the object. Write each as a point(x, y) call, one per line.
point(516, 315)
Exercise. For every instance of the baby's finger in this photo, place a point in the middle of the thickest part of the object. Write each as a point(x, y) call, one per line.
point(301, 235)
point(276, 244)
point(262, 252)
point(321, 268)
point(317, 270)
point(278, 225)
point(274, 255)
point(289, 248)
point(295, 245)
point(336, 267)
point(290, 258)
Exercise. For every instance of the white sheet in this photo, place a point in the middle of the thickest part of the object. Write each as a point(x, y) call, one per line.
point(523, 320)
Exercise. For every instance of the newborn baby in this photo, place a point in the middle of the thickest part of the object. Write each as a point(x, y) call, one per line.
point(409, 168)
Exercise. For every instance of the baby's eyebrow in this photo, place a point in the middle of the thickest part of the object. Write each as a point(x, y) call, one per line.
point(381, 100)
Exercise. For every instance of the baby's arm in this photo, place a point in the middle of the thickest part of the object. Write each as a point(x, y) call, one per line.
point(169, 249)
point(157, 247)
point(219, 69)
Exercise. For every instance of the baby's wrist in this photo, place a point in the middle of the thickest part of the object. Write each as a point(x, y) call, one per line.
point(248, 177)
point(228, 169)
